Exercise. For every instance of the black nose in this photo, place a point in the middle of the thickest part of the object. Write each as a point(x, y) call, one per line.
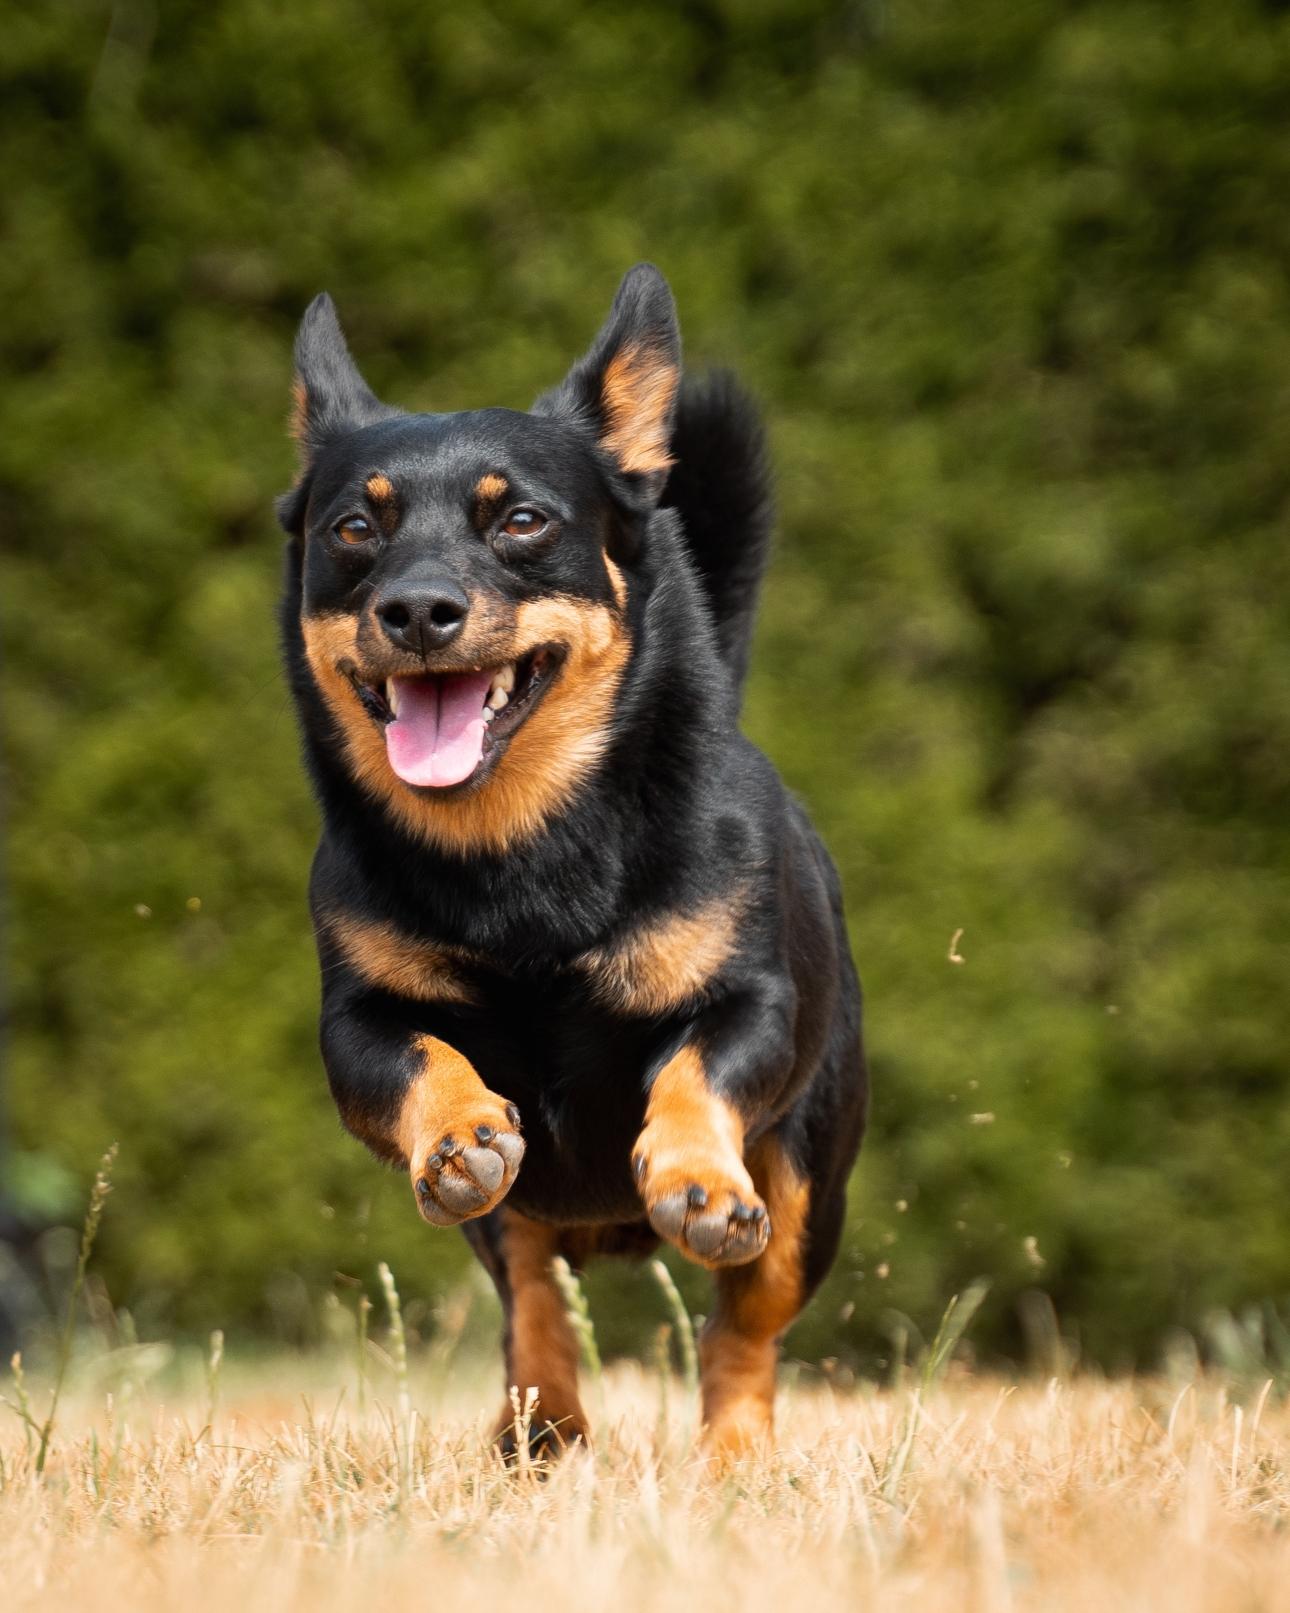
point(423, 618)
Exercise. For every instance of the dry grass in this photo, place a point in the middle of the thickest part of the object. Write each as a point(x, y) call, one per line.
point(986, 1496)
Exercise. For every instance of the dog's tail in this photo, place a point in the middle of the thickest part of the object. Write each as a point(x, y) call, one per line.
point(719, 484)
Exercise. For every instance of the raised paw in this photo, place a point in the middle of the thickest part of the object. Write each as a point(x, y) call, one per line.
point(469, 1169)
point(709, 1213)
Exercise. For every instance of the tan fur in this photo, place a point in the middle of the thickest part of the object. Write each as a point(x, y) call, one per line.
point(543, 1346)
point(446, 1099)
point(398, 963)
point(490, 490)
point(637, 394)
point(617, 582)
point(739, 1348)
point(665, 963)
point(298, 423)
point(379, 488)
point(691, 1135)
point(557, 747)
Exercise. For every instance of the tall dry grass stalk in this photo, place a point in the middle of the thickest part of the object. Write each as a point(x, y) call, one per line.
point(44, 1431)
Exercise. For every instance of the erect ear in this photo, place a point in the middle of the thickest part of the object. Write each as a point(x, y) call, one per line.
point(625, 386)
point(330, 396)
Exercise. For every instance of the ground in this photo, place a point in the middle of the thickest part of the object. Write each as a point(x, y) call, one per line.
point(979, 1495)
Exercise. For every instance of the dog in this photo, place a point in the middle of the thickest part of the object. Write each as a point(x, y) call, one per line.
point(585, 971)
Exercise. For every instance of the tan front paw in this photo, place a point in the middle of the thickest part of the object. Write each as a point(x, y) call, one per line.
point(703, 1203)
point(469, 1167)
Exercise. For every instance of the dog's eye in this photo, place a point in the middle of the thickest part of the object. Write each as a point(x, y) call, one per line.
point(354, 529)
point(524, 523)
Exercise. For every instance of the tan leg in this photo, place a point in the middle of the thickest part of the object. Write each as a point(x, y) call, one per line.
point(541, 1347)
point(690, 1170)
point(755, 1303)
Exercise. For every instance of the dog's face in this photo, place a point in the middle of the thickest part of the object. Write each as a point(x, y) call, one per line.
point(462, 607)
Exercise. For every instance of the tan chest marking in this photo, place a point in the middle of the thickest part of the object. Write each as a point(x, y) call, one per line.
point(665, 963)
point(398, 963)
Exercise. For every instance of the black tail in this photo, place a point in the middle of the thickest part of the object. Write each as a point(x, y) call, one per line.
point(720, 487)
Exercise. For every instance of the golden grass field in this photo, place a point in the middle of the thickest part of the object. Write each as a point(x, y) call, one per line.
point(979, 1495)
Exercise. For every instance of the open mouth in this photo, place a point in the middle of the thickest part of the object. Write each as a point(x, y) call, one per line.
point(442, 727)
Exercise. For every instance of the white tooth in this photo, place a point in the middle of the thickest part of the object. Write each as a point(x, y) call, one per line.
point(505, 679)
point(392, 695)
point(488, 715)
point(497, 698)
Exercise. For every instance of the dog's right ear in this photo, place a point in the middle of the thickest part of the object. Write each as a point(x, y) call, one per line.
point(329, 398)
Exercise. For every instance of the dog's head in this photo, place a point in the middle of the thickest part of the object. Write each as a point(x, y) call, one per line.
point(462, 603)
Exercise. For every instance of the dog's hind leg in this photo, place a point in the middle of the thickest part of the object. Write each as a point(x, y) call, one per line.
point(755, 1303)
point(541, 1347)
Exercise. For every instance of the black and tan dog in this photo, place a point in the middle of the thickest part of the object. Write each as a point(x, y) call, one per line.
point(585, 971)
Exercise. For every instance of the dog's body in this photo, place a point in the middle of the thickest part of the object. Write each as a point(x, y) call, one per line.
point(556, 887)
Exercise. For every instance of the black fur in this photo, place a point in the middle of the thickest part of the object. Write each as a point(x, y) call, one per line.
point(681, 812)
point(720, 487)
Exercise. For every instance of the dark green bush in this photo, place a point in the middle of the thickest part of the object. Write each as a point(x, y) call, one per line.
point(1012, 281)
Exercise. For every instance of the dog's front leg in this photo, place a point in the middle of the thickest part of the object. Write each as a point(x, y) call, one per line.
point(718, 1183)
point(415, 1100)
point(689, 1160)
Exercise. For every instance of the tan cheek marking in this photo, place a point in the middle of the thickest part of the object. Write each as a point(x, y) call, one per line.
point(617, 582)
point(636, 395)
point(554, 751)
point(666, 963)
point(397, 963)
point(543, 1351)
point(739, 1348)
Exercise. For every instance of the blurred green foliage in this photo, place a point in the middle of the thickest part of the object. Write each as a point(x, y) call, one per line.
point(1012, 280)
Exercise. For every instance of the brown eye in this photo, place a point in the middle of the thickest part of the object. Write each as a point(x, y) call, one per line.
point(524, 523)
point(354, 529)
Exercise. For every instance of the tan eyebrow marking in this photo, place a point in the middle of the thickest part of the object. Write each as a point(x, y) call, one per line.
point(380, 489)
point(490, 490)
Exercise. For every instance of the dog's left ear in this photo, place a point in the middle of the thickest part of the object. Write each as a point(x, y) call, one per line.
point(625, 386)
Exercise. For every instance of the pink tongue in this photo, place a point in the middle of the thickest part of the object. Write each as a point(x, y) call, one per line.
point(438, 735)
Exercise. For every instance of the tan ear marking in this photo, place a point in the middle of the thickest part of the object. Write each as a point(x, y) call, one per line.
point(298, 420)
point(636, 395)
